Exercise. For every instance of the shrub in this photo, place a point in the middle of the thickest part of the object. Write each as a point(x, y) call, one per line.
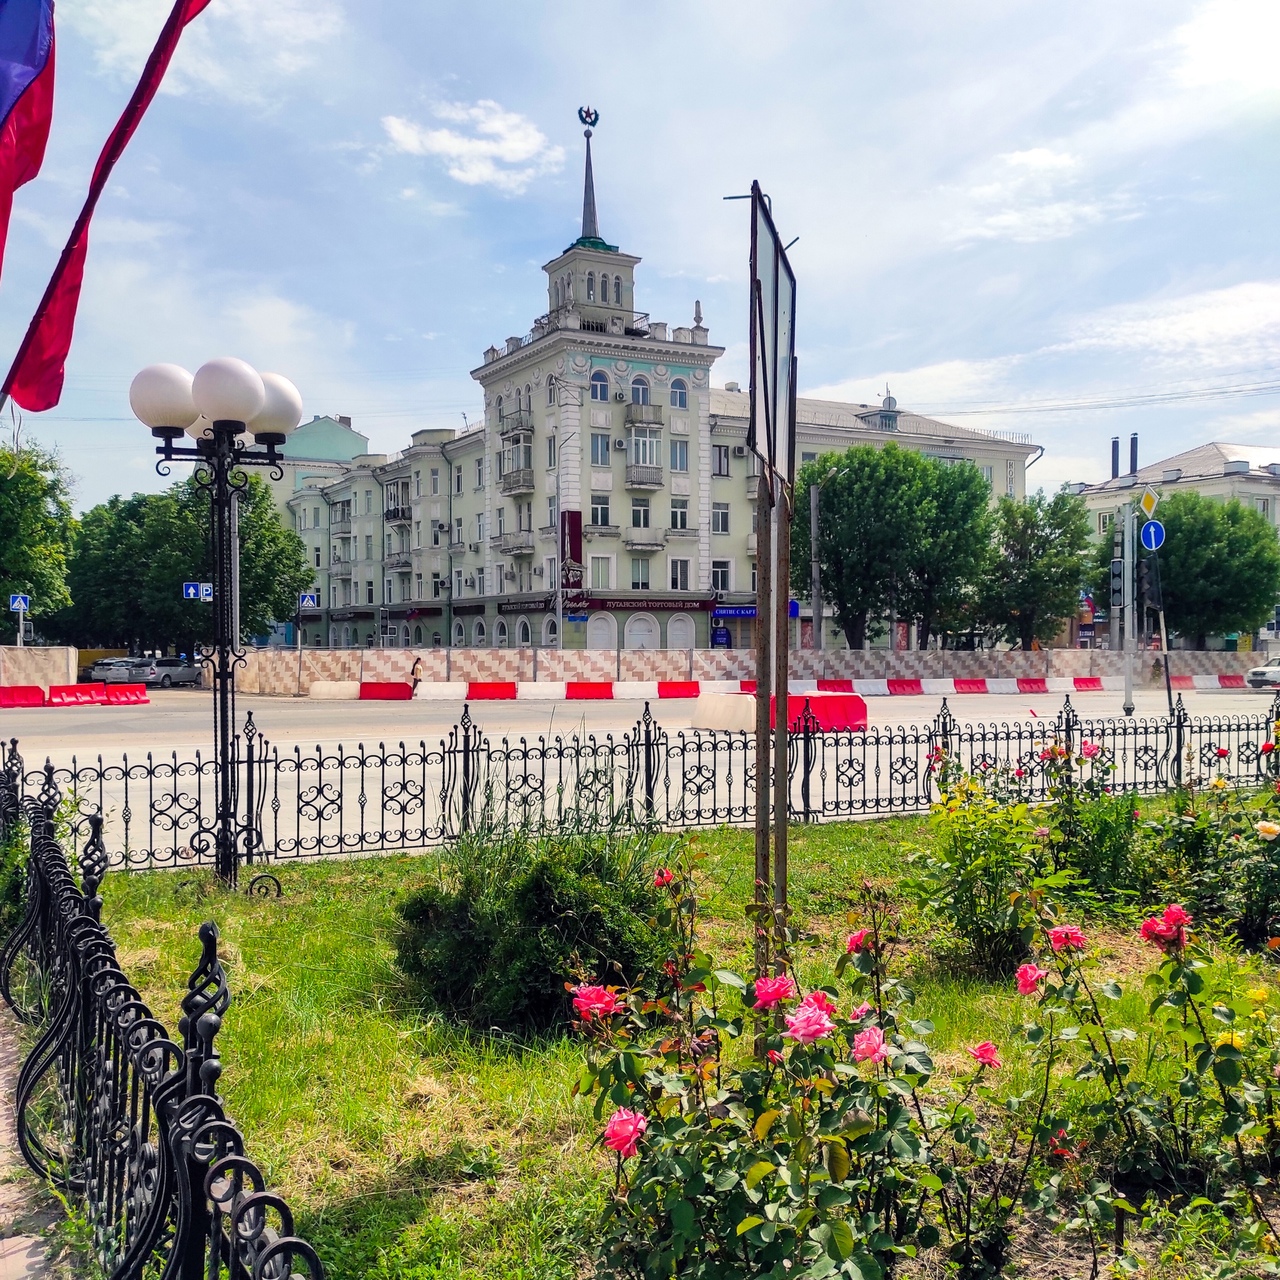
point(984, 853)
point(13, 878)
point(495, 943)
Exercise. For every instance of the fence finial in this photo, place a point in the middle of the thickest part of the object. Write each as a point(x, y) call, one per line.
point(93, 866)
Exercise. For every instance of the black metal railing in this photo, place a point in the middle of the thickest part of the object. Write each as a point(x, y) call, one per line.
point(121, 1118)
point(322, 801)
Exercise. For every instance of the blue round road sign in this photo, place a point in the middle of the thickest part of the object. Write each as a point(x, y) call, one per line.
point(1153, 535)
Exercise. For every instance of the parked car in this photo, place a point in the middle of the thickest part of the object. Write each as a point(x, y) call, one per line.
point(102, 670)
point(1266, 676)
point(164, 672)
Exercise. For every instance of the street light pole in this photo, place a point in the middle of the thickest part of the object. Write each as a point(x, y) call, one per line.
point(225, 399)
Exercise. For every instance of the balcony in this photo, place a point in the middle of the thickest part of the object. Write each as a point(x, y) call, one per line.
point(519, 543)
point(337, 527)
point(518, 481)
point(753, 487)
point(682, 533)
point(515, 420)
point(602, 530)
point(399, 560)
point(751, 544)
point(644, 414)
point(549, 531)
point(398, 515)
point(644, 539)
point(642, 477)
point(340, 569)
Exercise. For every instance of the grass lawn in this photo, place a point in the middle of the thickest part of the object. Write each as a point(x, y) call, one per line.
point(411, 1149)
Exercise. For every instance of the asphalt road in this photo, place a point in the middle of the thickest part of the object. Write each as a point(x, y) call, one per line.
point(181, 720)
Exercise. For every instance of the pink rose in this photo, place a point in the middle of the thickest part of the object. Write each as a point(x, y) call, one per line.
point(1176, 915)
point(775, 1057)
point(1029, 977)
point(1275, 1071)
point(1017, 773)
point(807, 1024)
point(663, 878)
point(861, 1012)
point(624, 1131)
point(1169, 933)
point(984, 1055)
point(868, 1046)
point(595, 1002)
point(858, 941)
point(1090, 750)
point(819, 1000)
point(1223, 753)
point(1067, 937)
point(770, 991)
point(1043, 833)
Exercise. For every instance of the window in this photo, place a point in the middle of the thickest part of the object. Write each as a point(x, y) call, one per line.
point(646, 447)
point(599, 450)
point(679, 455)
point(526, 636)
point(386, 591)
point(417, 586)
point(388, 547)
point(480, 527)
point(317, 557)
point(720, 575)
point(502, 521)
point(300, 519)
point(808, 457)
point(555, 290)
point(552, 573)
point(480, 582)
point(753, 577)
point(679, 394)
point(479, 473)
point(435, 481)
point(457, 478)
point(550, 634)
point(599, 508)
point(417, 533)
point(498, 579)
point(639, 390)
point(528, 398)
point(1264, 506)
point(679, 513)
point(719, 459)
point(457, 584)
point(604, 288)
point(459, 635)
point(368, 592)
point(639, 574)
point(479, 634)
point(600, 385)
point(988, 474)
point(679, 575)
point(617, 290)
point(639, 513)
point(500, 633)
point(551, 391)
point(368, 546)
point(719, 517)
point(368, 502)
point(435, 533)
point(457, 531)
point(591, 286)
point(551, 452)
point(553, 512)
point(601, 578)
point(417, 484)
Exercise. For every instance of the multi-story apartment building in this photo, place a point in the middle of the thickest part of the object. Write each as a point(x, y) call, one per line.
point(608, 489)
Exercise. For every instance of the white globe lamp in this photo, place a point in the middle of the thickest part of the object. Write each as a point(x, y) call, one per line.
point(161, 398)
point(281, 412)
point(228, 390)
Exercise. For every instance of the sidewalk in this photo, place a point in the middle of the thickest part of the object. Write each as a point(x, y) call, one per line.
point(27, 1211)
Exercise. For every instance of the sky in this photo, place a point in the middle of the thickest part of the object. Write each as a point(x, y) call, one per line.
point(1057, 219)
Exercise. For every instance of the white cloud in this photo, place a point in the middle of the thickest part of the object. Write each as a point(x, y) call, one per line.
point(949, 381)
point(237, 49)
point(500, 148)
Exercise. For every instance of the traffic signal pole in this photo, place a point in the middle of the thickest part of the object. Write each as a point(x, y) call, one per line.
point(1130, 611)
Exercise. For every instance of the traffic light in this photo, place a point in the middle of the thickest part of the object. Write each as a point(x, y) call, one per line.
point(1117, 584)
point(1149, 582)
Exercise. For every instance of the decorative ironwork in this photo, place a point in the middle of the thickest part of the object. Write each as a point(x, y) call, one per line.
point(123, 1120)
point(306, 803)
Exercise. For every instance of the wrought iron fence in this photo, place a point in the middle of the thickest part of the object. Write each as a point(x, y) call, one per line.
point(121, 1118)
point(297, 803)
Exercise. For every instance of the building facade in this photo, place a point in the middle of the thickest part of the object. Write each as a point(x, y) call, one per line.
point(606, 500)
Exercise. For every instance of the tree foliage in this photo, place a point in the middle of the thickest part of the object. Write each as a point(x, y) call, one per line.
point(896, 530)
point(132, 555)
point(35, 532)
point(1042, 559)
point(1219, 566)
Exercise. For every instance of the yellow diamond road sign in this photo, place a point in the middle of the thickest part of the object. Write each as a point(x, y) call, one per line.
point(1148, 502)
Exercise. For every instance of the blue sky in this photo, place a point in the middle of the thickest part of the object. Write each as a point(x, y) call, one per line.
point(1001, 206)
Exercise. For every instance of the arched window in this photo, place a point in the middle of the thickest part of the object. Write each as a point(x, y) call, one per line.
point(346, 637)
point(417, 635)
point(551, 391)
point(556, 290)
point(304, 635)
point(591, 286)
point(524, 633)
point(600, 385)
point(497, 404)
point(617, 290)
point(549, 630)
point(500, 633)
point(604, 288)
point(435, 640)
point(528, 398)
point(480, 634)
point(405, 633)
point(459, 634)
point(639, 390)
point(679, 394)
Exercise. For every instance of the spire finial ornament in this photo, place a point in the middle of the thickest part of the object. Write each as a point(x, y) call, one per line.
point(590, 226)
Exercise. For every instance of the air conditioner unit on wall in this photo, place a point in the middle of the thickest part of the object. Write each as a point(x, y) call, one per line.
point(619, 443)
point(471, 582)
point(739, 450)
point(538, 571)
point(473, 546)
point(620, 397)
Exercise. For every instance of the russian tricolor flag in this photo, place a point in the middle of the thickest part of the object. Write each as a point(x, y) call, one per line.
point(26, 96)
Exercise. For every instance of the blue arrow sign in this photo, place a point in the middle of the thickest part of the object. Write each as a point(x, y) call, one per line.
point(191, 591)
point(308, 599)
point(1152, 535)
point(20, 603)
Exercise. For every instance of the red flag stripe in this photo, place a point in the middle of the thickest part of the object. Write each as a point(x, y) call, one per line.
point(23, 137)
point(36, 375)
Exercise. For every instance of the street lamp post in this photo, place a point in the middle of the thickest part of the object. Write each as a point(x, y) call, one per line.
point(225, 401)
point(815, 573)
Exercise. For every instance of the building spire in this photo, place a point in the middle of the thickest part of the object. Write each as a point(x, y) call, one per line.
point(590, 225)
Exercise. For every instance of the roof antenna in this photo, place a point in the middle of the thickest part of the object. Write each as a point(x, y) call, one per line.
point(466, 426)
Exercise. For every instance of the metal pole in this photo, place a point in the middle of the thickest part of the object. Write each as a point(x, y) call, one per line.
point(781, 657)
point(764, 620)
point(22, 621)
point(815, 574)
point(235, 567)
point(219, 462)
point(1164, 633)
point(1130, 611)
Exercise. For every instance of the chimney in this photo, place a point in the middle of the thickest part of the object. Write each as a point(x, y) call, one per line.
point(1115, 457)
point(342, 419)
point(1133, 454)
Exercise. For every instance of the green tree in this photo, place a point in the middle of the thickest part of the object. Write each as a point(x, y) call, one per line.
point(1041, 560)
point(871, 513)
point(36, 528)
point(132, 555)
point(1219, 566)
